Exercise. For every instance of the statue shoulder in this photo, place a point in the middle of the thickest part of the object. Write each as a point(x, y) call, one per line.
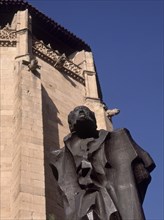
point(123, 136)
point(120, 131)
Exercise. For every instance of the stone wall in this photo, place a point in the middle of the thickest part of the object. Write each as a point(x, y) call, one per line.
point(60, 94)
point(6, 121)
point(35, 102)
point(32, 184)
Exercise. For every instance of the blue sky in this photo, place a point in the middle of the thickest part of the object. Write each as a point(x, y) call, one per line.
point(126, 38)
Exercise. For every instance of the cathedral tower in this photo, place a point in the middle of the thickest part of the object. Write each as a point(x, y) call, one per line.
point(45, 71)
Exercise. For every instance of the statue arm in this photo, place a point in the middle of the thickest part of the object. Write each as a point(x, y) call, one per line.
point(120, 143)
point(142, 166)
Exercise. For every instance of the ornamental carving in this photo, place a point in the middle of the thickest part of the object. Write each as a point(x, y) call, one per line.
point(57, 60)
point(8, 37)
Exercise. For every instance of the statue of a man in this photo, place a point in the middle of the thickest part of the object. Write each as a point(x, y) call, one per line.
point(102, 175)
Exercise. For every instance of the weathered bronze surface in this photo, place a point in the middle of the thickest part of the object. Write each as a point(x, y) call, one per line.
point(102, 175)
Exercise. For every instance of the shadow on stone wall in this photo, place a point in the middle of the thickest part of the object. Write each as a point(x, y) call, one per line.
point(54, 206)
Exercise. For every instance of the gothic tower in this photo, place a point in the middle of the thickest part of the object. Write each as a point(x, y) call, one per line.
point(45, 71)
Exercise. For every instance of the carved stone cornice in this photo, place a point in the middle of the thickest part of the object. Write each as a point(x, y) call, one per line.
point(8, 37)
point(57, 60)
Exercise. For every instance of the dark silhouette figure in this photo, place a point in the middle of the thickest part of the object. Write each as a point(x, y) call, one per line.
point(102, 175)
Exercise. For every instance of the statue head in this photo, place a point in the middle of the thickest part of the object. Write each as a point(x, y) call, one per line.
point(82, 119)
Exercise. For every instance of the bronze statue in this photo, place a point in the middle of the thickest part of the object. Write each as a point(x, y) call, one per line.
point(102, 175)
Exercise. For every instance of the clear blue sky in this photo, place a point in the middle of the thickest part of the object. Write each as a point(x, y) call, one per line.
point(126, 38)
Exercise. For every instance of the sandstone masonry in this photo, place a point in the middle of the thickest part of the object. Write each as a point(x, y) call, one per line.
point(40, 83)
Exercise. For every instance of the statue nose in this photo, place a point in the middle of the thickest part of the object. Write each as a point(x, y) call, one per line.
point(81, 111)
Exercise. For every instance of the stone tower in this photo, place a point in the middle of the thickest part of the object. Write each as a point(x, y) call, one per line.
point(45, 71)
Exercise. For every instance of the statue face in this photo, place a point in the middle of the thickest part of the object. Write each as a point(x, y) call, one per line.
point(81, 118)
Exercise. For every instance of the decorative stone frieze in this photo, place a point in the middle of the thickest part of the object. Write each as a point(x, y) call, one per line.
point(57, 60)
point(8, 37)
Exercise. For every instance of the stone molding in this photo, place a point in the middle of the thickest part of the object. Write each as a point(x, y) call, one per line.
point(57, 60)
point(8, 37)
point(90, 73)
